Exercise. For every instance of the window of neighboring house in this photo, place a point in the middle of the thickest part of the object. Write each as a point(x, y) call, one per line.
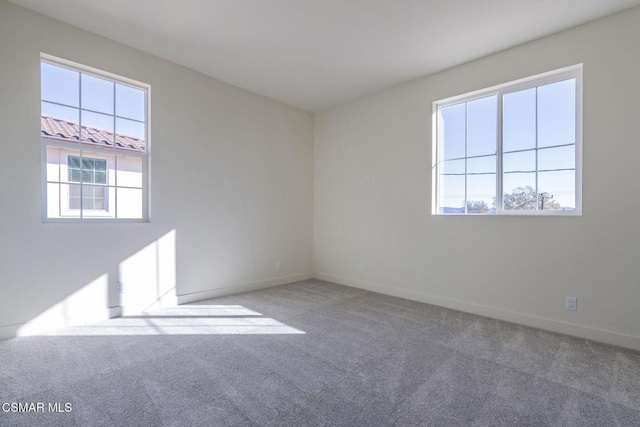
point(511, 149)
point(95, 145)
point(91, 171)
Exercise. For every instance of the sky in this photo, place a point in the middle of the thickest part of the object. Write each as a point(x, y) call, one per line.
point(68, 94)
point(544, 116)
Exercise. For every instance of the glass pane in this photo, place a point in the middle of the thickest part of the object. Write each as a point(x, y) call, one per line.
point(70, 201)
point(98, 201)
point(87, 176)
point(482, 122)
point(88, 169)
point(557, 190)
point(519, 120)
point(94, 197)
point(451, 132)
point(557, 113)
point(451, 193)
point(481, 165)
point(481, 193)
point(74, 161)
point(557, 158)
point(97, 128)
point(452, 167)
point(519, 191)
point(130, 103)
point(130, 134)
point(97, 94)
point(53, 163)
point(69, 161)
point(129, 203)
point(129, 171)
point(59, 122)
point(523, 161)
point(100, 164)
point(60, 85)
point(53, 200)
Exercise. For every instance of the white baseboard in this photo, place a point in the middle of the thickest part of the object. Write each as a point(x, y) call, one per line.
point(9, 331)
point(245, 287)
point(114, 312)
point(595, 334)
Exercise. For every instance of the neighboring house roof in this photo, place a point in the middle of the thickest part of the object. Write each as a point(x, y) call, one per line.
point(59, 128)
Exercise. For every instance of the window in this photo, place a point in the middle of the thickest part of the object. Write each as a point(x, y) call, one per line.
point(511, 149)
point(94, 142)
point(94, 171)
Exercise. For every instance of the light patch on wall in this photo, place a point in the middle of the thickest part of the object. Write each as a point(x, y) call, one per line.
point(88, 304)
point(148, 277)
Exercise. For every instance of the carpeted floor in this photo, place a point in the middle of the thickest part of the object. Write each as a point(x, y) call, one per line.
point(315, 353)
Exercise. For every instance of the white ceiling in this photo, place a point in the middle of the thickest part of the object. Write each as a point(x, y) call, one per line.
point(316, 54)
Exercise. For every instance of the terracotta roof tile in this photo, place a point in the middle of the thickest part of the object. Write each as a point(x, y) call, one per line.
point(59, 128)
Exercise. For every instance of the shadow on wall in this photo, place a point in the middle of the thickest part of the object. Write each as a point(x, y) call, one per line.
point(147, 280)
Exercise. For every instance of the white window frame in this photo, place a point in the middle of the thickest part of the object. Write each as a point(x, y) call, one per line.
point(572, 72)
point(98, 150)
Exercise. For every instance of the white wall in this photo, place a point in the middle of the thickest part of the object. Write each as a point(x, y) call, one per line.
point(515, 268)
point(231, 173)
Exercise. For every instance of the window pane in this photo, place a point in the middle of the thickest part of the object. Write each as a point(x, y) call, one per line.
point(451, 132)
point(97, 94)
point(53, 164)
point(88, 169)
point(452, 194)
point(97, 128)
point(129, 203)
point(482, 165)
point(70, 200)
point(53, 200)
point(98, 201)
point(481, 184)
point(482, 121)
point(59, 122)
point(519, 191)
point(130, 102)
point(130, 128)
point(129, 171)
point(60, 85)
point(557, 113)
point(519, 120)
point(87, 176)
point(523, 161)
point(94, 198)
point(557, 158)
point(450, 167)
point(481, 193)
point(70, 165)
point(559, 190)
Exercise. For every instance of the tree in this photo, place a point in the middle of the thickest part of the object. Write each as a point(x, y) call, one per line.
point(524, 198)
point(477, 206)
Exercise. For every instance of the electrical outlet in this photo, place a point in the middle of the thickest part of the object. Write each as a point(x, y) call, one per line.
point(361, 268)
point(571, 303)
point(119, 287)
point(278, 265)
point(370, 182)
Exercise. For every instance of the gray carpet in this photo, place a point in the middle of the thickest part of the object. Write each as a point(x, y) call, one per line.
point(315, 353)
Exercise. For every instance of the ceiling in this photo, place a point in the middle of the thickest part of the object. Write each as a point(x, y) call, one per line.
point(316, 54)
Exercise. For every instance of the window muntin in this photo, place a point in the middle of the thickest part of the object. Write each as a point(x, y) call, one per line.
point(510, 150)
point(94, 139)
